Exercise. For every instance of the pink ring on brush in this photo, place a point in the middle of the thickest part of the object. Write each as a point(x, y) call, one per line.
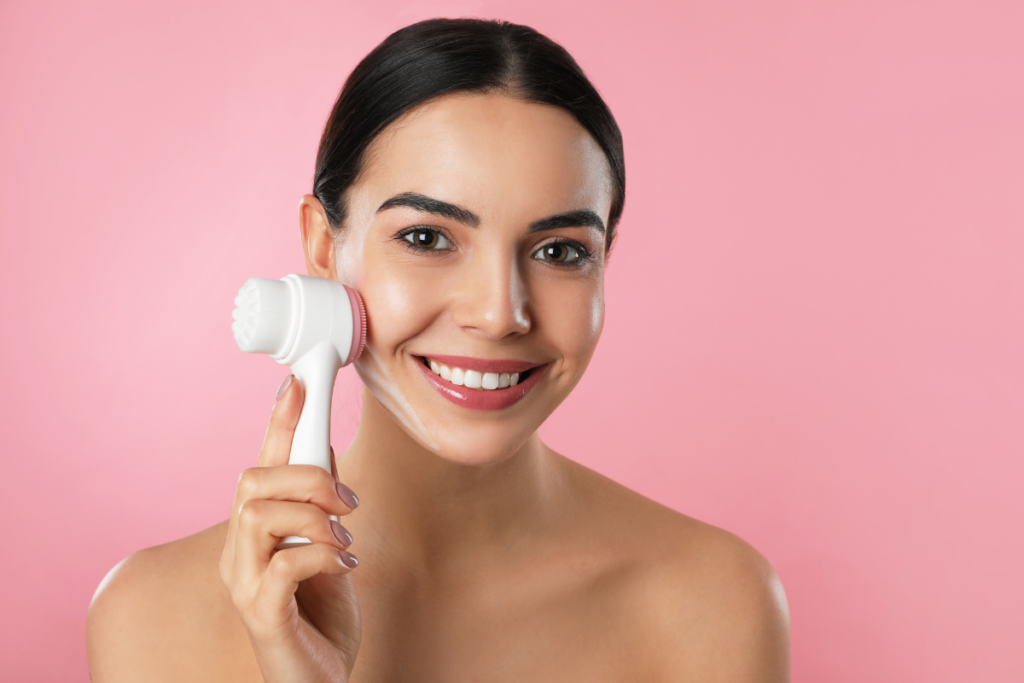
point(358, 325)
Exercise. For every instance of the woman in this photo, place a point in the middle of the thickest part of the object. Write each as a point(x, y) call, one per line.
point(468, 184)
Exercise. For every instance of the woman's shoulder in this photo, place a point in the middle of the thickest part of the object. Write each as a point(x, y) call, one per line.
point(711, 603)
point(163, 612)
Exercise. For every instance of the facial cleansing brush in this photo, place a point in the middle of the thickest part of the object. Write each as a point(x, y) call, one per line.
point(315, 326)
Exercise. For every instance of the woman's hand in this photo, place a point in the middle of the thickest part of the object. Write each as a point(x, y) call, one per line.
point(306, 631)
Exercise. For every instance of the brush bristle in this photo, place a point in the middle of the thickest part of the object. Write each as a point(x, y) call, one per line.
point(262, 316)
point(358, 325)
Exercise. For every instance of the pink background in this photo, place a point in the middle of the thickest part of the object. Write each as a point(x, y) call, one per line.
point(815, 332)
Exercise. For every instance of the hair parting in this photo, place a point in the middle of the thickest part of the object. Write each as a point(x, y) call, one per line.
point(441, 56)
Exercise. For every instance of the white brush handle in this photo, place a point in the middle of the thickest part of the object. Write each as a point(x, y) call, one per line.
point(311, 444)
point(314, 326)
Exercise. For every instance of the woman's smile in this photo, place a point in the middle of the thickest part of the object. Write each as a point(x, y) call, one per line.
point(478, 383)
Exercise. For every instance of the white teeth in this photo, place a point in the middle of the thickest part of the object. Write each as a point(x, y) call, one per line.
point(474, 379)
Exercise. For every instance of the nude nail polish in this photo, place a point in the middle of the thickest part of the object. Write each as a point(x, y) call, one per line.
point(349, 559)
point(284, 387)
point(341, 533)
point(346, 495)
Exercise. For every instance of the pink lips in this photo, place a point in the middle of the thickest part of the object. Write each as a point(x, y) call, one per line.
point(479, 399)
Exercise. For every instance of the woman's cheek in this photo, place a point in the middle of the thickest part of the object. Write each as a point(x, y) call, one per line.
point(582, 331)
point(349, 258)
point(401, 305)
point(573, 317)
point(589, 329)
point(396, 312)
point(596, 316)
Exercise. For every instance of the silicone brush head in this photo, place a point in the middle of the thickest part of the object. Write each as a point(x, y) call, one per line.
point(263, 316)
point(358, 325)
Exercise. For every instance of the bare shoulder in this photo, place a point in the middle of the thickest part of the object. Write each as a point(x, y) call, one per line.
point(712, 606)
point(721, 608)
point(164, 614)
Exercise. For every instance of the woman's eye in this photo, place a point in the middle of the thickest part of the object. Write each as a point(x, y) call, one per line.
point(559, 252)
point(425, 238)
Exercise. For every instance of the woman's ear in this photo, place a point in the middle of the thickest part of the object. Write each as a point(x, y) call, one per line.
point(317, 238)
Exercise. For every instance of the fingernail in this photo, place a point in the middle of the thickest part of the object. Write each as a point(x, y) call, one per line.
point(346, 495)
point(341, 533)
point(284, 387)
point(349, 559)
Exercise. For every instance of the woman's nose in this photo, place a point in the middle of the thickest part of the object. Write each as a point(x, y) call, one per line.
point(492, 298)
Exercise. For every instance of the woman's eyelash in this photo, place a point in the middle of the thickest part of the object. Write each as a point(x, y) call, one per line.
point(437, 240)
point(583, 255)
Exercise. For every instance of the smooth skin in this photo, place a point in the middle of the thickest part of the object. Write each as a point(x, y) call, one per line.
point(482, 554)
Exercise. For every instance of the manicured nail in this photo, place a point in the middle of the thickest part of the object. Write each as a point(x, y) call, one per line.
point(346, 495)
point(284, 387)
point(349, 559)
point(341, 533)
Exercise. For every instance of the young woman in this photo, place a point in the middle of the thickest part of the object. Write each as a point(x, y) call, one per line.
point(468, 184)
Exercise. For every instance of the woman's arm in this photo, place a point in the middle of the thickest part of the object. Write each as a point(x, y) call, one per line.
point(163, 614)
point(221, 605)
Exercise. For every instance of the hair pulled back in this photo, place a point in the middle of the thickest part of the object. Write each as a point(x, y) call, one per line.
point(440, 56)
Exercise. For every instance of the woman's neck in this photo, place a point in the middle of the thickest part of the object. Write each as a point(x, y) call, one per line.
point(429, 511)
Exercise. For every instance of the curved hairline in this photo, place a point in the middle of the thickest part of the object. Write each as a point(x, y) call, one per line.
point(509, 91)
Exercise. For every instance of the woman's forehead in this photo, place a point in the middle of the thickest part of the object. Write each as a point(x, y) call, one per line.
point(490, 149)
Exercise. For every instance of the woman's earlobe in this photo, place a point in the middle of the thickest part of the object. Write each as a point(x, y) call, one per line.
point(317, 237)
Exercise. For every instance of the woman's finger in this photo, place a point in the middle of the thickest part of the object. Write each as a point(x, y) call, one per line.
point(288, 567)
point(345, 493)
point(277, 444)
point(263, 523)
point(298, 483)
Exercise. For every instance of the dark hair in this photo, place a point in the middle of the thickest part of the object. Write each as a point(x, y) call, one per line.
point(440, 56)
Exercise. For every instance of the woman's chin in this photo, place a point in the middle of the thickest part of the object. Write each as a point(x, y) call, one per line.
point(475, 457)
point(475, 445)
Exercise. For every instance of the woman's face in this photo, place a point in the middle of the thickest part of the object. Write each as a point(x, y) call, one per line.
point(475, 234)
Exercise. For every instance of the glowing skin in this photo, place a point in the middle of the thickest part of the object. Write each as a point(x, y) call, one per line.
point(483, 293)
point(482, 554)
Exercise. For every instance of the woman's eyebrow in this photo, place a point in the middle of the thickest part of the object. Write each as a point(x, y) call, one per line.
point(580, 218)
point(430, 205)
